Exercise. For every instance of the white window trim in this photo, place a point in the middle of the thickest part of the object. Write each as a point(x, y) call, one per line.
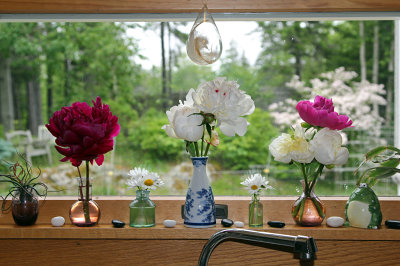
point(148, 17)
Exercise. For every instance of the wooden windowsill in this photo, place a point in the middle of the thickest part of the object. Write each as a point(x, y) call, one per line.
point(168, 207)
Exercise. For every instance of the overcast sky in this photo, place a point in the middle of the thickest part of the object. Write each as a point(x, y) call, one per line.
point(150, 45)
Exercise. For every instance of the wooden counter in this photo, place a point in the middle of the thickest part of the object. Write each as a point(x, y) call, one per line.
point(43, 244)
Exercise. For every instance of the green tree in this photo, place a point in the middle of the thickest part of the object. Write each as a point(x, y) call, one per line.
point(239, 153)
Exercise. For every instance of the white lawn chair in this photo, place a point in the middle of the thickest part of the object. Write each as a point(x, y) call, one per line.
point(24, 143)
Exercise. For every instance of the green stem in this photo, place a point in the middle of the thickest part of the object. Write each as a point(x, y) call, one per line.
point(202, 144)
point(253, 202)
point(306, 187)
point(296, 210)
point(86, 200)
point(316, 204)
point(80, 184)
point(208, 146)
point(303, 201)
point(316, 174)
point(196, 146)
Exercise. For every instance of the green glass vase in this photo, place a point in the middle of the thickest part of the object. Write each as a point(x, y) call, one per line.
point(255, 212)
point(142, 210)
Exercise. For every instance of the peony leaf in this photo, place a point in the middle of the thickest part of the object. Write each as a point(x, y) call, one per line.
point(392, 162)
point(378, 150)
point(190, 148)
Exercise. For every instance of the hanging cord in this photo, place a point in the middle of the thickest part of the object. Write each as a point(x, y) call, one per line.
point(205, 8)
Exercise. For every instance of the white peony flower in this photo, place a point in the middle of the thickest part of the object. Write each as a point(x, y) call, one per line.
point(255, 183)
point(279, 150)
point(142, 179)
point(183, 124)
point(327, 147)
point(286, 148)
point(226, 102)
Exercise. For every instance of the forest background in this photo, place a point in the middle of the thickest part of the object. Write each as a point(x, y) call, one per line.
point(44, 66)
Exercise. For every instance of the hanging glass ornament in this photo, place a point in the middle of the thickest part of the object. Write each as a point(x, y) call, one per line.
point(204, 45)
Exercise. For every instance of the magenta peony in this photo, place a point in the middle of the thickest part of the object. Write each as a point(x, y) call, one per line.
point(321, 113)
point(84, 133)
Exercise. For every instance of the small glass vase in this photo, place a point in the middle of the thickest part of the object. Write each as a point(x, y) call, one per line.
point(85, 212)
point(308, 210)
point(25, 207)
point(255, 212)
point(142, 210)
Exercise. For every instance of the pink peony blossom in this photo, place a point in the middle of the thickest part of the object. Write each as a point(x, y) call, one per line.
point(84, 133)
point(321, 113)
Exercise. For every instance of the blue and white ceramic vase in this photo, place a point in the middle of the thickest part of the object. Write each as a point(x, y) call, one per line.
point(199, 206)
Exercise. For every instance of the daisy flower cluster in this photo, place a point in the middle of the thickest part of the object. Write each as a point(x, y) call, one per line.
point(255, 183)
point(142, 179)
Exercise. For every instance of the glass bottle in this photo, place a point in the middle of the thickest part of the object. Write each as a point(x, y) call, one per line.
point(142, 210)
point(255, 212)
point(85, 212)
point(25, 206)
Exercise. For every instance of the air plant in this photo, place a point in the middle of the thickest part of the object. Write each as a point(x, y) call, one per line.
point(386, 160)
point(23, 182)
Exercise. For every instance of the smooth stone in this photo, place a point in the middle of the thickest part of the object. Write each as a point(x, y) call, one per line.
point(227, 222)
point(393, 224)
point(239, 224)
point(58, 221)
point(335, 221)
point(276, 224)
point(169, 223)
point(118, 223)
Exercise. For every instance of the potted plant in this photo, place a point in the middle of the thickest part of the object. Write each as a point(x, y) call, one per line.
point(25, 191)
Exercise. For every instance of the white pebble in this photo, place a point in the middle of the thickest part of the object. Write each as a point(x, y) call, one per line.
point(335, 221)
point(58, 221)
point(169, 223)
point(239, 224)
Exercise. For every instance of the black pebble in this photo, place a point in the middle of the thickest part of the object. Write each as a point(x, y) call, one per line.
point(394, 224)
point(276, 224)
point(227, 222)
point(118, 223)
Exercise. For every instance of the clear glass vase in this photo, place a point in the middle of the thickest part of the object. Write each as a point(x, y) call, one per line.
point(308, 210)
point(255, 212)
point(25, 207)
point(142, 210)
point(85, 212)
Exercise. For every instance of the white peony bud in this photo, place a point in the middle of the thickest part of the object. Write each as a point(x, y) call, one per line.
point(183, 124)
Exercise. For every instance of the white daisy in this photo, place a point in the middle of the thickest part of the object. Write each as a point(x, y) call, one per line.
point(142, 179)
point(152, 181)
point(255, 183)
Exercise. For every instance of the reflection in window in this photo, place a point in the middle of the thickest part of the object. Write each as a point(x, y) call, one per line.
point(44, 66)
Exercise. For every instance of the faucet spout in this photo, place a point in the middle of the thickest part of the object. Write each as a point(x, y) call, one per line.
point(301, 244)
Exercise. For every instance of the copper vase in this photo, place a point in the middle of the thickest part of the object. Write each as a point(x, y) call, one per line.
point(308, 210)
point(85, 212)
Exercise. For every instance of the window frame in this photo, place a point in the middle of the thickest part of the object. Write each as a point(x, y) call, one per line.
point(222, 10)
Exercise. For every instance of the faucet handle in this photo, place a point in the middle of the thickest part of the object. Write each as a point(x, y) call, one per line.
point(306, 246)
